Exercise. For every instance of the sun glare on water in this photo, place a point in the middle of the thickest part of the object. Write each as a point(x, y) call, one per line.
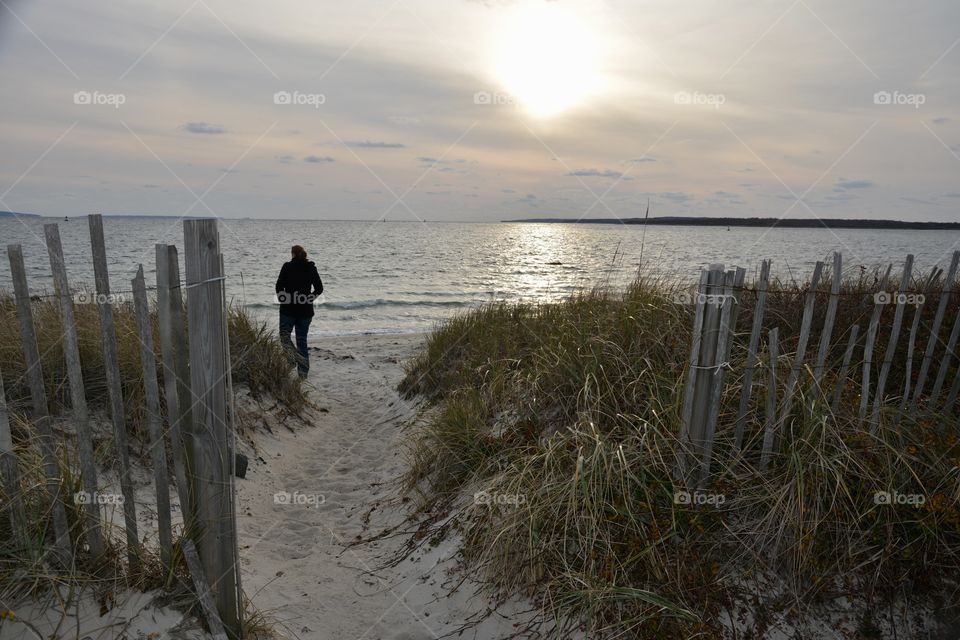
point(547, 57)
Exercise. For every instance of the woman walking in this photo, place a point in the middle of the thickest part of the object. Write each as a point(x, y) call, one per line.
point(298, 285)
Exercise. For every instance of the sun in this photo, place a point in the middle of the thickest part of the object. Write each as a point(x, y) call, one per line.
point(547, 57)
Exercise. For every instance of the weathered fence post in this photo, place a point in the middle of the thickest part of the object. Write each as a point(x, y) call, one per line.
point(176, 375)
point(38, 400)
point(805, 323)
point(844, 368)
point(111, 364)
point(707, 358)
point(158, 453)
point(752, 357)
point(868, 347)
point(231, 435)
point(202, 587)
point(686, 410)
point(914, 328)
point(892, 342)
point(947, 290)
point(769, 429)
point(71, 352)
point(828, 321)
point(11, 475)
point(213, 457)
point(728, 321)
point(945, 363)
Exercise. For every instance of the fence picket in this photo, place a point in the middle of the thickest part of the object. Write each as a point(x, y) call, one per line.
point(202, 587)
point(769, 429)
point(734, 280)
point(827, 334)
point(176, 376)
point(752, 357)
point(708, 358)
point(213, 455)
point(81, 417)
point(111, 364)
point(892, 341)
point(911, 340)
point(844, 368)
point(868, 348)
point(11, 476)
point(805, 323)
point(38, 401)
point(158, 453)
point(947, 291)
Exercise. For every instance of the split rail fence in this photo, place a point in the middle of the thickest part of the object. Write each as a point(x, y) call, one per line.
point(719, 381)
point(197, 423)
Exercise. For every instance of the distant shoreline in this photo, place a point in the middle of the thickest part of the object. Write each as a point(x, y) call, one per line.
point(786, 223)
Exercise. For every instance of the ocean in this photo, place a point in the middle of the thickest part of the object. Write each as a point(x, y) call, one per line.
point(385, 277)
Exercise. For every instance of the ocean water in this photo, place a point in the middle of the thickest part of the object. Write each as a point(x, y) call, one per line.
point(406, 276)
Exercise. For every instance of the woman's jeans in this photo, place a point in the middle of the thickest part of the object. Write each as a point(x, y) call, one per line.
point(302, 325)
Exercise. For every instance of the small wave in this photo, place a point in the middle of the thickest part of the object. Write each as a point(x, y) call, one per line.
point(381, 302)
point(333, 333)
point(367, 304)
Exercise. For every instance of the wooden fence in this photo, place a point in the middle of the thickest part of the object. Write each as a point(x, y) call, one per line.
point(720, 353)
point(197, 421)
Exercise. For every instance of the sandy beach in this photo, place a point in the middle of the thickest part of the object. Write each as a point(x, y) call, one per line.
point(310, 491)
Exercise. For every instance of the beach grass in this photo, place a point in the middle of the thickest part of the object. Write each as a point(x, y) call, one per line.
point(550, 444)
point(258, 360)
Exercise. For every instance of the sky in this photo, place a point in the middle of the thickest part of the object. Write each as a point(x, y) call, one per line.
point(481, 110)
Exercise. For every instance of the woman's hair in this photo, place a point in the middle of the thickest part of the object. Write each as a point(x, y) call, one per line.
point(298, 252)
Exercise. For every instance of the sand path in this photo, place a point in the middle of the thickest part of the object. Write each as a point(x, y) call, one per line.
point(294, 555)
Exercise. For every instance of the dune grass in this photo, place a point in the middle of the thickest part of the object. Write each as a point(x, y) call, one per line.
point(258, 361)
point(562, 422)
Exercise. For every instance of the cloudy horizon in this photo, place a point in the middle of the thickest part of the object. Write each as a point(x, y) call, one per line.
point(481, 111)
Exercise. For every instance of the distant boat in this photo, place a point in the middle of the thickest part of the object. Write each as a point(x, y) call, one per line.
point(66, 219)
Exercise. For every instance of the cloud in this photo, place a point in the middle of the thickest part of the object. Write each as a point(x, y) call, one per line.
point(404, 120)
point(596, 173)
point(675, 196)
point(370, 144)
point(319, 159)
point(845, 185)
point(427, 159)
point(204, 127)
point(641, 159)
point(285, 159)
point(914, 200)
point(941, 121)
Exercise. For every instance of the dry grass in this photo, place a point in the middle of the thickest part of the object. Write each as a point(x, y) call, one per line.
point(568, 414)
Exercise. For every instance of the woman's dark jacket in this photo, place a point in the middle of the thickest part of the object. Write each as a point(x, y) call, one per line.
point(297, 286)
